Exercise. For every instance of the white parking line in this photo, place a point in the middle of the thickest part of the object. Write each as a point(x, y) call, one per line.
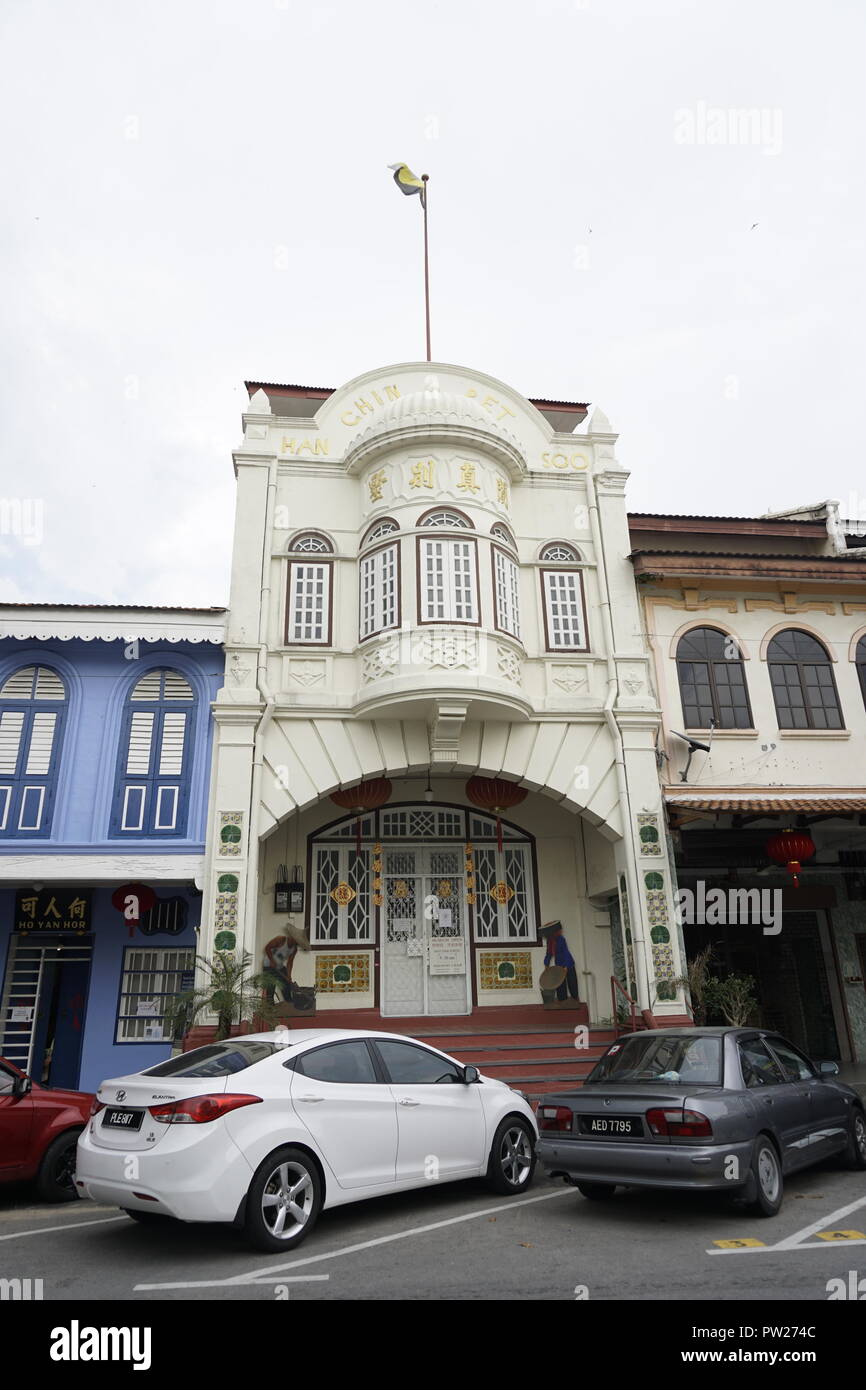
point(266, 1276)
point(67, 1226)
point(798, 1240)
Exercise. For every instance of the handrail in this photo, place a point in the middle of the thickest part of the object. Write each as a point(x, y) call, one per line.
point(614, 986)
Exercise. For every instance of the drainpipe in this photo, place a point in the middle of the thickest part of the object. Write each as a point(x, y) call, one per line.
point(253, 849)
point(636, 909)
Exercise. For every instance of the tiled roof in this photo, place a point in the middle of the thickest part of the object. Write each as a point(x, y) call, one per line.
point(119, 607)
point(771, 802)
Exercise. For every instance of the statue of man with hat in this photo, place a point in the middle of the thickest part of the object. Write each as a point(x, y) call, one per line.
point(560, 972)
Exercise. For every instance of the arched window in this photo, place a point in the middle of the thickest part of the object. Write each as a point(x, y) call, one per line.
point(502, 533)
point(446, 518)
point(712, 680)
point(860, 658)
point(309, 599)
point(32, 712)
point(561, 553)
point(153, 770)
point(310, 543)
point(447, 570)
point(562, 599)
point(804, 688)
point(379, 530)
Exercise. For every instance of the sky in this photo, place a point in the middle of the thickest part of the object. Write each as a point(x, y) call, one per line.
point(654, 207)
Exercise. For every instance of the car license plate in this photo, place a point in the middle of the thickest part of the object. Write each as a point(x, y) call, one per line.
point(122, 1119)
point(611, 1126)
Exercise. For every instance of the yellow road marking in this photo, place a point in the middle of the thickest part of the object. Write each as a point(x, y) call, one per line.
point(840, 1235)
point(747, 1243)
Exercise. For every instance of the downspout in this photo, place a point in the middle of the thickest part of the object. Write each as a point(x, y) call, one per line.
point(253, 848)
point(636, 913)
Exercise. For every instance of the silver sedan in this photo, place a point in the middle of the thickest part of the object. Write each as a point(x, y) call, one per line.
point(732, 1109)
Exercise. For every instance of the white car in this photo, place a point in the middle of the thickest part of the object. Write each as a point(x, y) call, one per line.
point(263, 1131)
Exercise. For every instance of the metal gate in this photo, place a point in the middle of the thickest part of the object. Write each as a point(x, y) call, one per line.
point(23, 990)
point(425, 950)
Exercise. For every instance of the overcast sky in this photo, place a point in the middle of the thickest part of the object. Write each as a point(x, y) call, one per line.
point(195, 192)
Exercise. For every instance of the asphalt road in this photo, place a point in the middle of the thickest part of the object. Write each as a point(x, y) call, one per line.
point(460, 1242)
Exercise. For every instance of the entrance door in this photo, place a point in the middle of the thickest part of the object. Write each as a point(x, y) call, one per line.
point(425, 950)
point(42, 1011)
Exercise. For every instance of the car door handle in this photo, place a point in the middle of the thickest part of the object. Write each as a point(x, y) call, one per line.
point(404, 1101)
point(312, 1100)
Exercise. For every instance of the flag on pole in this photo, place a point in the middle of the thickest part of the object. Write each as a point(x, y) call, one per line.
point(407, 182)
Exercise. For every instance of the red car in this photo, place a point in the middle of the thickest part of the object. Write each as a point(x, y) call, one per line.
point(39, 1129)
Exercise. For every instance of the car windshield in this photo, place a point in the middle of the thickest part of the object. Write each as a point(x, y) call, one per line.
point(696, 1061)
point(217, 1059)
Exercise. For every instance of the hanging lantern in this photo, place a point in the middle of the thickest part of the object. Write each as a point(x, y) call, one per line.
point(494, 795)
point(132, 900)
point(791, 847)
point(367, 796)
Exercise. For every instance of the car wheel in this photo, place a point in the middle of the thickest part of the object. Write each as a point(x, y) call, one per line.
point(55, 1181)
point(768, 1183)
point(147, 1218)
point(855, 1153)
point(283, 1201)
point(597, 1191)
point(512, 1156)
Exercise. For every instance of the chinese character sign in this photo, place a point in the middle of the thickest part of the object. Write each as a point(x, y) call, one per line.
point(52, 909)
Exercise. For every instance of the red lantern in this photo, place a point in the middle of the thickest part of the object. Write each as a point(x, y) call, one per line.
point(133, 899)
point(791, 847)
point(494, 795)
point(367, 796)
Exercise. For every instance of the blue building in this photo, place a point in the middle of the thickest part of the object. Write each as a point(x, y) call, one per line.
point(105, 752)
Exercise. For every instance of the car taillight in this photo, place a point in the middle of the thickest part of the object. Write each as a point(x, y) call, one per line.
point(555, 1117)
point(199, 1110)
point(96, 1106)
point(679, 1124)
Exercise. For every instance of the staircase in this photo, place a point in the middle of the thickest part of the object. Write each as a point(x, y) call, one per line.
point(526, 1046)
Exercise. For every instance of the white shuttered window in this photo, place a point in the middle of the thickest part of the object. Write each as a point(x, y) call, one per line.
point(379, 597)
point(563, 608)
point(309, 603)
point(449, 591)
point(507, 593)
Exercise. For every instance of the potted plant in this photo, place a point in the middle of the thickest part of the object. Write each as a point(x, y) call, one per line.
point(230, 990)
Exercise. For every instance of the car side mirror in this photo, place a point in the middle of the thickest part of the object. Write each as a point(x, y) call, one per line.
point(21, 1086)
point(828, 1068)
point(470, 1075)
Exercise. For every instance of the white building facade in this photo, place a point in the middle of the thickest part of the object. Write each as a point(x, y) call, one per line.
point(431, 584)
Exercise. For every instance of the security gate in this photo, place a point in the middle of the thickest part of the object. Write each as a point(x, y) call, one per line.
point(30, 994)
point(425, 950)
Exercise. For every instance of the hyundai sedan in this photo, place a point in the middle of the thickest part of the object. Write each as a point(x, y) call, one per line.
point(264, 1131)
point(734, 1109)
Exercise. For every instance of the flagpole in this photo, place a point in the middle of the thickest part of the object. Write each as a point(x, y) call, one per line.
point(424, 179)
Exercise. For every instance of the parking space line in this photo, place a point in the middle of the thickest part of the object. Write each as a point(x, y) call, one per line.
point(799, 1240)
point(264, 1275)
point(67, 1226)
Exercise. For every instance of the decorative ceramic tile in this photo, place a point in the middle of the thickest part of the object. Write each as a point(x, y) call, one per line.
point(505, 969)
point(648, 835)
point(346, 973)
point(231, 833)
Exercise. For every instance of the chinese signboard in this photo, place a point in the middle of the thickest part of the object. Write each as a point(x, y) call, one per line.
point(52, 909)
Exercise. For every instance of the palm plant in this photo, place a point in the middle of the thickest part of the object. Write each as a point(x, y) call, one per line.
point(230, 990)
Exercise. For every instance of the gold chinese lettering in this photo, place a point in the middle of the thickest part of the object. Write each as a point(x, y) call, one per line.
point(502, 492)
point(423, 474)
point(376, 483)
point(468, 480)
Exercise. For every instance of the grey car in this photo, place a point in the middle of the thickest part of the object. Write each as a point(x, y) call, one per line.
point(731, 1109)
